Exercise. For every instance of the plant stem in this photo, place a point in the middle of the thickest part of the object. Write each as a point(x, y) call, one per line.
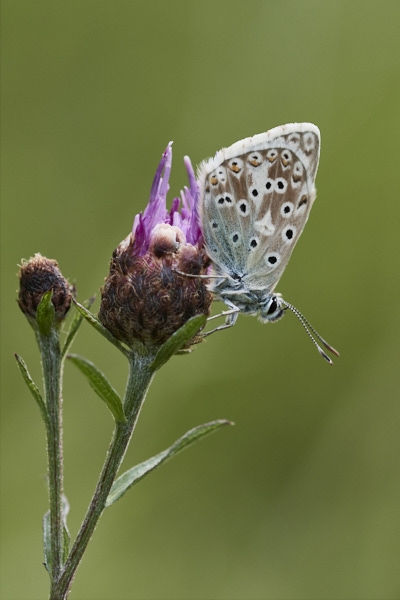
point(139, 379)
point(52, 373)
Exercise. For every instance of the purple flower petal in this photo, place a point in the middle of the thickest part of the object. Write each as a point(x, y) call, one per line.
point(193, 185)
point(156, 212)
point(164, 186)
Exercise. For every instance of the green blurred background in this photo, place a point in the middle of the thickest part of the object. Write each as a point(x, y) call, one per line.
point(301, 499)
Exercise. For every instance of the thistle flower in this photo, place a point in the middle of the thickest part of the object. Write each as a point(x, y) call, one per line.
point(145, 298)
point(37, 276)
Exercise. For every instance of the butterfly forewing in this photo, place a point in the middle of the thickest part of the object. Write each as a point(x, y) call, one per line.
point(255, 200)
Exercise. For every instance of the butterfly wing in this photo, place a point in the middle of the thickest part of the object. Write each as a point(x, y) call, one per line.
point(255, 198)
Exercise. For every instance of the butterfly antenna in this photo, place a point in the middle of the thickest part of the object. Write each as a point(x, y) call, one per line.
point(307, 326)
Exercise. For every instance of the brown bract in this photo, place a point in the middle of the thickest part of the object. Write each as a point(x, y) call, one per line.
point(144, 298)
point(37, 276)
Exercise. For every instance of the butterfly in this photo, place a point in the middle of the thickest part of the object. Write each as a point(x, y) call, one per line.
point(255, 199)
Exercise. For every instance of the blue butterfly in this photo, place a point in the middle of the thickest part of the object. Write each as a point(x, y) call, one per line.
point(255, 199)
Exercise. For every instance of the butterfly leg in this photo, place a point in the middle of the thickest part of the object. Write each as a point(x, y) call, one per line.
point(224, 313)
point(190, 275)
point(231, 318)
point(199, 276)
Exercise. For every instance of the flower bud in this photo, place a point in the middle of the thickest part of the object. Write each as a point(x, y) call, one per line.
point(37, 276)
point(146, 297)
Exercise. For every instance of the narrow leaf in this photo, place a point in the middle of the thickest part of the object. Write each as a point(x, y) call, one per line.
point(66, 535)
point(47, 535)
point(73, 329)
point(45, 313)
point(132, 476)
point(94, 321)
point(100, 385)
point(32, 386)
point(47, 541)
point(178, 340)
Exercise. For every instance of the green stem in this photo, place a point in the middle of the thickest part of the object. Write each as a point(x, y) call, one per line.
point(52, 374)
point(139, 379)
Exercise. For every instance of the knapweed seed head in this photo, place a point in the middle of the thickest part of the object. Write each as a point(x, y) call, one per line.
point(37, 276)
point(145, 297)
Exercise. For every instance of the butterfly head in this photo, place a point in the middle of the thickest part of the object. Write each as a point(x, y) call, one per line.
point(268, 307)
point(271, 308)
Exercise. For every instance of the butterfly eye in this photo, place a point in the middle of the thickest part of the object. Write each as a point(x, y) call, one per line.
point(235, 238)
point(271, 155)
point(272, 311)
point(273, 305)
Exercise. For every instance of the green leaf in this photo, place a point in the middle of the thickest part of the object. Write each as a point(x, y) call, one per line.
point(129, 478)
point(47, 535)
point(45, 314)
point(100, 384)
point(94, 322)
point(73, 329)
point(178, 340)
point(32, 387)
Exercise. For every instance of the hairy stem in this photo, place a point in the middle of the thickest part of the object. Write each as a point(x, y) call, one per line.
point(139, 379)
point(52, 374)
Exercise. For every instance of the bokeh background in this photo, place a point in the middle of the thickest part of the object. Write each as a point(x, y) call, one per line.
point(301, 499)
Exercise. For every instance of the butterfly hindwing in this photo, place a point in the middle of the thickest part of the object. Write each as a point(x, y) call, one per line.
point(256, 196)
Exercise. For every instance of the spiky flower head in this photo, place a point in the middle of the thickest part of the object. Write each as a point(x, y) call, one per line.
point(145, 297)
